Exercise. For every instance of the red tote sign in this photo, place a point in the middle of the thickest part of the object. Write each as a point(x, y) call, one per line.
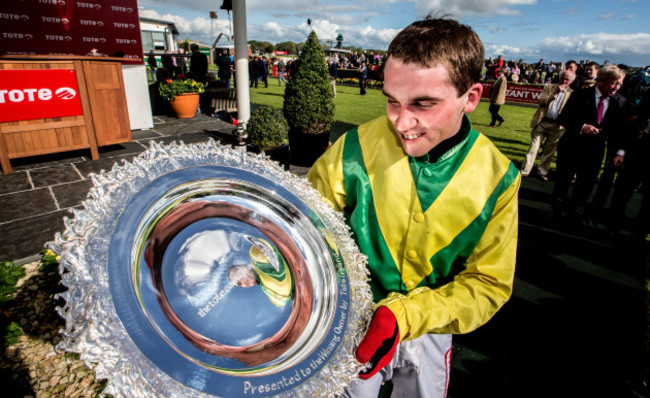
point(29, 94)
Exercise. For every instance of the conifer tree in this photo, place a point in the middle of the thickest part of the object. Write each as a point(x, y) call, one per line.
point(308, 101)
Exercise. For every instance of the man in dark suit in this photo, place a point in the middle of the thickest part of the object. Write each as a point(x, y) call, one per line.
point(636, 160)
point(225, 66)
point(263, 70)
point(198, 64)
point(579, 80)
point(167, 62)
point(593, 118)
point(363, 75)
point(253, 70)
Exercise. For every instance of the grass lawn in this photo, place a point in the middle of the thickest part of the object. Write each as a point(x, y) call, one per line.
point(352, 109)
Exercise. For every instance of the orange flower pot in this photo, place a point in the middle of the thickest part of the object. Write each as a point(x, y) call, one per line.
point(185, 105)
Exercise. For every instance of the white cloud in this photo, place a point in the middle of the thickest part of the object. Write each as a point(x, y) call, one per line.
point(624, 48)
point(324, 29)
point(198, 29)
point(198, 5)
point(600, 43)
point(607, 16)
point(630, 16)
point(281, 5)
point(206, 6)
point(630, 49)
point(511, 51)
point(377, 38)
point(274, 32)
point(462, 8)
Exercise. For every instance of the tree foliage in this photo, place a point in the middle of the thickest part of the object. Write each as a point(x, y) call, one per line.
point(288, 46)
point(308, 102)
point(299, 47)
point(261, 47)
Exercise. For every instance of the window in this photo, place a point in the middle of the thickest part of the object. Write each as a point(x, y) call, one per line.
point(153, 41)
point(159, 41)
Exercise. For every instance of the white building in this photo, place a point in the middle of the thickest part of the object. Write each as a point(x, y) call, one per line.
point(158, 35)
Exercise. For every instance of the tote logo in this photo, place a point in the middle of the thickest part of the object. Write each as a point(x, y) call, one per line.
point(34, 94)
point(19, 36)
point(65, 93)
point(15, 17)
point(89, 5)
point(122, 9)
point(39, 93)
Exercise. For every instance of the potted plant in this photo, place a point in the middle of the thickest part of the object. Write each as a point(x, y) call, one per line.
point(267, 131)
point(183, 95)
point(309, 105)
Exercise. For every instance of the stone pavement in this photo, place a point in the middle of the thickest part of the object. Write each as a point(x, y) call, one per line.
point(42, 189)
point(575, 326)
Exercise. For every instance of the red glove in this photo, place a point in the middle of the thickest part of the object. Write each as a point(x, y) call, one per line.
point(378, 346)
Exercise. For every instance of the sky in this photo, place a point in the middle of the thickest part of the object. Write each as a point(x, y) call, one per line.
point(555, 30)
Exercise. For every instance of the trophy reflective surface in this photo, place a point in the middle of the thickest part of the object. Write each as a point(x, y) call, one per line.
point(199, 270)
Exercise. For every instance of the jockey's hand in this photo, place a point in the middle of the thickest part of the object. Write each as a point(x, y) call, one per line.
point(378, 346)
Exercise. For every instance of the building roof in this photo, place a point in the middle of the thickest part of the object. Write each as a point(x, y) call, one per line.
point(171, 25)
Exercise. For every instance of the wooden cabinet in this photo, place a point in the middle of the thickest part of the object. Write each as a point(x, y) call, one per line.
point(105, 119)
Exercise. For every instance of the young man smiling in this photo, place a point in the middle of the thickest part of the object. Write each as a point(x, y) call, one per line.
point(432, 203)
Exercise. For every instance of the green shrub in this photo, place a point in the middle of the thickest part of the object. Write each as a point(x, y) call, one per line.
point(267, 128)
point(12, 332)
point(308, 98)
point(10, 274)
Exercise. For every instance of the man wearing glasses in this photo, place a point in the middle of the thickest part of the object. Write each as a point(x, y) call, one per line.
point(593, 119)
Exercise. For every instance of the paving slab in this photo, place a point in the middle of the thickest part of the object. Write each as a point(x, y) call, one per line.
point(21, 205)
point(45, 177)
point(105, 163)
point(145, 134)
point(15, 182)
point(125, 148)
point(187, 137)
point(27, 237)
point(72, 194)
point(50, 160)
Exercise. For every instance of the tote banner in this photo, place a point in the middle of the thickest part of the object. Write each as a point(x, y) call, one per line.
point(36, 94)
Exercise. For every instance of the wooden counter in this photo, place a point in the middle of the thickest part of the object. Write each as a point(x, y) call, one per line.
point(105, 119)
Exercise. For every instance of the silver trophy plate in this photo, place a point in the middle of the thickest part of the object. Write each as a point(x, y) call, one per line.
point(199, 270)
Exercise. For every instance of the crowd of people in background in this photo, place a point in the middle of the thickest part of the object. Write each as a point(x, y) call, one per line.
point(541, 72)
point(619, 133)
point(597, 118)
point(175, 64)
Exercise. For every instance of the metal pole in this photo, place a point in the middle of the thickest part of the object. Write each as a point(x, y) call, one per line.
point(241, 68)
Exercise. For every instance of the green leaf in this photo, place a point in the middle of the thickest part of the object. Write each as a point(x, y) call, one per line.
point(10, 274)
